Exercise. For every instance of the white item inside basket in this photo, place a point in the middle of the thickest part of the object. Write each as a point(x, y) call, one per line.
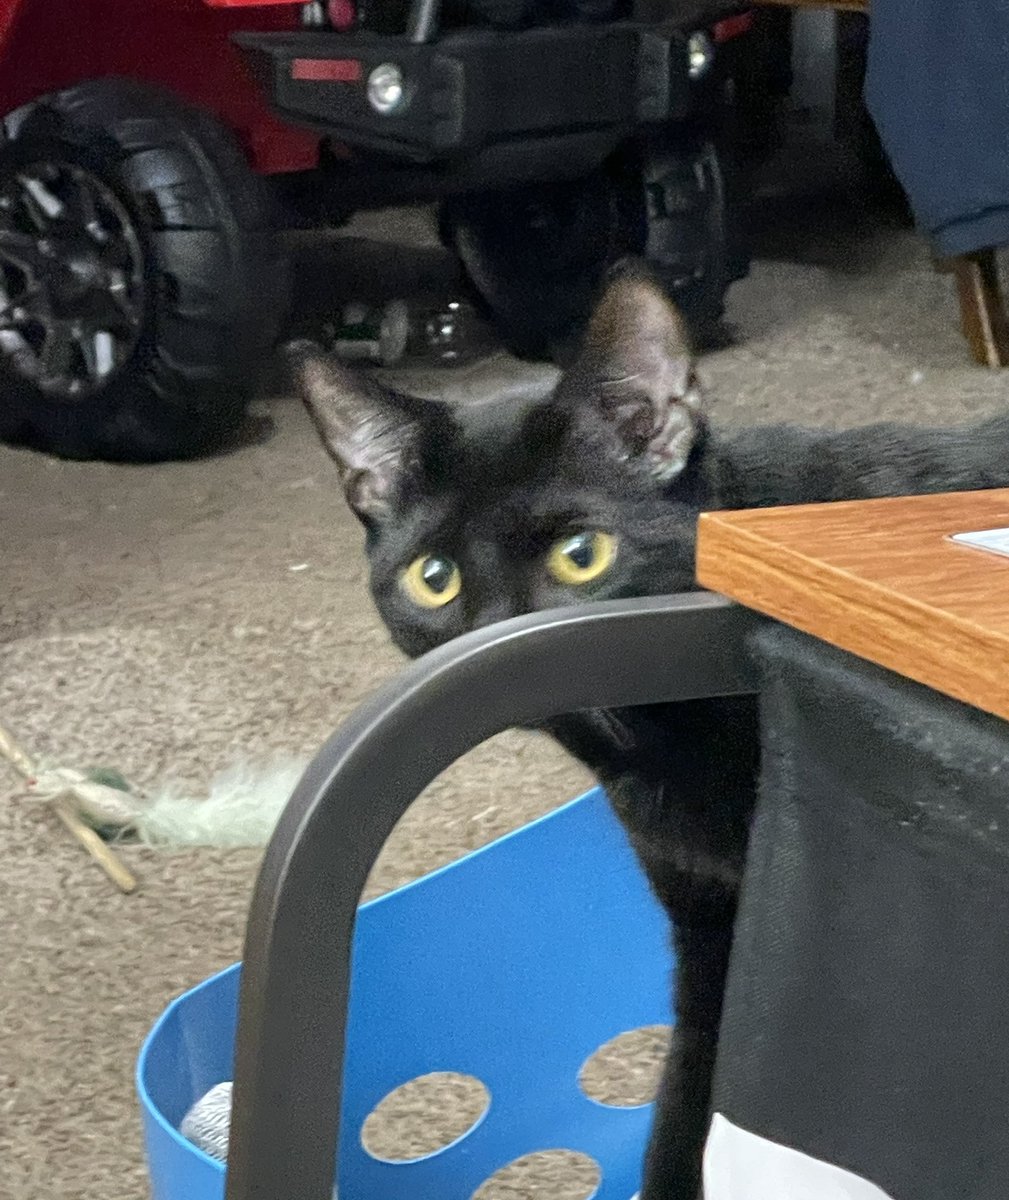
point(208, 1123)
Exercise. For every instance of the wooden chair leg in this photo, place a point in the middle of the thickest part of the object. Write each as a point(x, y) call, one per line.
point(982, 308)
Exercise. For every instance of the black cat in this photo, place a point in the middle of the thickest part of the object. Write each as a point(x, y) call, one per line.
point(480, 512)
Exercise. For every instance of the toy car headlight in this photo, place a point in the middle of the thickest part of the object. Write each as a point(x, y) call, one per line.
point(700, 54)
point(386, 88)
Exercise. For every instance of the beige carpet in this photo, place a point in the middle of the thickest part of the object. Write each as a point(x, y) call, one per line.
point(150, 618)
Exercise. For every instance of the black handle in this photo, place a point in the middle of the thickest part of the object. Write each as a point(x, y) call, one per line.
point(293, 1004)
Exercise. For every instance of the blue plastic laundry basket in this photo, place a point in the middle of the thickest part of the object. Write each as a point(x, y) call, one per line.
point(512, 965)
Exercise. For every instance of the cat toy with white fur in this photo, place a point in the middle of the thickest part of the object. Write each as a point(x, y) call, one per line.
point(241, 808)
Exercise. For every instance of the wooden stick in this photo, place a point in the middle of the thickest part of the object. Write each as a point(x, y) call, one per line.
point(17, 758)
point(982, 308)
point(121, 876)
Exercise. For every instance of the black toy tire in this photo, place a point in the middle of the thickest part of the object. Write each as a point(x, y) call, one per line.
point(214, 283)
point(537, 254)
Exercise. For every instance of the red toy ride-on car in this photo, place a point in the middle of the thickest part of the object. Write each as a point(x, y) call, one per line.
point(149, 149)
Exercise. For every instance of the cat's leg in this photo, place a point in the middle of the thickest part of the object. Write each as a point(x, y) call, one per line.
point(682, 1114)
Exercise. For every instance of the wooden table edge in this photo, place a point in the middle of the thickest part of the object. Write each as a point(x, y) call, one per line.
point(904, 635)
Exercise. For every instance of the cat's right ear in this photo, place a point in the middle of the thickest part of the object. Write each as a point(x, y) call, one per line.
point(372, 440)
point(637, 363)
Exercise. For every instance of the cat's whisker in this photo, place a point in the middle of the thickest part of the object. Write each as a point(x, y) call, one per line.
point(635, 378)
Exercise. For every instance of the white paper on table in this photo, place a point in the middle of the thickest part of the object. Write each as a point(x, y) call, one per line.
point(996, 541)
point(742, 1166)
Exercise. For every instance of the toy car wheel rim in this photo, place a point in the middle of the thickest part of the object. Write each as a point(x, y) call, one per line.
point(72, 292)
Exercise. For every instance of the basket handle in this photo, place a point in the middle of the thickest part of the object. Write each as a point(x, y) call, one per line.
point(296, 974)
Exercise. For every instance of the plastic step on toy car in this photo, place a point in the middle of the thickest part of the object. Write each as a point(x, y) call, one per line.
point(149, 154)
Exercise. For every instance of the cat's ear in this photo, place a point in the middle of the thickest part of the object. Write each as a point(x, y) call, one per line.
point(636, 366)
point(372, 439)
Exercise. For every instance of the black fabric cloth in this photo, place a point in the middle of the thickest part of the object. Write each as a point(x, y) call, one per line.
point(937, 87)
point(867, 1012)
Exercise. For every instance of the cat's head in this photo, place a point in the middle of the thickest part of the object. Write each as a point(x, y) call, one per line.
point(481, 511)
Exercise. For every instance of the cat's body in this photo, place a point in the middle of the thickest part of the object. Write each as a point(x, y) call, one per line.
point(481, 513)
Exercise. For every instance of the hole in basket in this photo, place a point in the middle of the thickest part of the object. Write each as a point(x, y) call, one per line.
point(559, 1174)
point(423, 1116)
point(626, 1071)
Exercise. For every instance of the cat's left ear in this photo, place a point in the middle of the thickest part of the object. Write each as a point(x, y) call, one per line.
point(370, 435)
point(635, 377)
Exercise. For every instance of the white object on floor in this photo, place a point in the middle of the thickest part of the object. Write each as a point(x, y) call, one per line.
point(241, 808)
point(742, 1166)
point(208, 1122)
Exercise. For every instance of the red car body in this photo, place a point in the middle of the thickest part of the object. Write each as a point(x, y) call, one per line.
point(184, 45)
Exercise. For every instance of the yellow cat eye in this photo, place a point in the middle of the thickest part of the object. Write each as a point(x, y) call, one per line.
point(432, 581)
point(582, 557)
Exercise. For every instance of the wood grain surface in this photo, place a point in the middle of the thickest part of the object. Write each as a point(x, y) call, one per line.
point(881, 579)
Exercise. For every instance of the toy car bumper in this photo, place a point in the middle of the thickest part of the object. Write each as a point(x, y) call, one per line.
point(475, 90)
